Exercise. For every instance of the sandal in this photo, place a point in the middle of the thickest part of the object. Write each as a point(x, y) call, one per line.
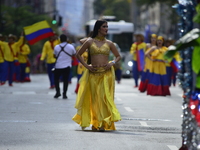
point(94, 129)
point(83, 128)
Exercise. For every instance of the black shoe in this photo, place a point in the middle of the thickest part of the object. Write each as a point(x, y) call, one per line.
point(57, 95)
point(64, 97)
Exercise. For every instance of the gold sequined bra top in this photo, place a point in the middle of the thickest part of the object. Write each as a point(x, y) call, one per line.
point(103, 50)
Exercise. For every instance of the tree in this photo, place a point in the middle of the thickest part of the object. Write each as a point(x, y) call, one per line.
point(171, 14)
point(118, 8)
point(151, 2)
point(15, 18)
point(197, 16)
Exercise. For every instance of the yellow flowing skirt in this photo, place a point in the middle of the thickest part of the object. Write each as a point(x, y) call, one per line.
point(95, 100)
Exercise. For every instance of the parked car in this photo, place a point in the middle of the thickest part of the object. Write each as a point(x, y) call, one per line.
point(127, 65)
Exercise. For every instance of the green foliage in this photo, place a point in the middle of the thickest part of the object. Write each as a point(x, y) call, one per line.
point(118, 8)
point(191, 39)
point(152, 2)
point(172, 13)
point(196, 58)
point(15, 18)
point(197, 16)
point(99, 7)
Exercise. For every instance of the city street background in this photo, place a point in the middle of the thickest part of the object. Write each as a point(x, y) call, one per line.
point(31, 119)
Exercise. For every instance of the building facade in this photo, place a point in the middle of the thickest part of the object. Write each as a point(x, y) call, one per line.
point(154, 19)
point(75, 14)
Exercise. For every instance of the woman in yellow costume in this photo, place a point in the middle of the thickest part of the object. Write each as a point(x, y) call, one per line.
point(173, 66)
point(138, 50)
point(158, 81)
point(23, 52)
point(148, 65)
point(95, 100)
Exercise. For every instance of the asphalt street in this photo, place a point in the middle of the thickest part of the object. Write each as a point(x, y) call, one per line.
point(31, 119)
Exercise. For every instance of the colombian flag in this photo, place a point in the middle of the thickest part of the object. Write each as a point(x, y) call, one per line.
point(175, 65)
point(38, 31)
point(140, 59)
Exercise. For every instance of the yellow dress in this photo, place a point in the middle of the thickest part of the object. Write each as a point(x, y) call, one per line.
point(145, 74)
point(81, 68)
point(95, 100)
point(148, 62)
point(160, 67)
point(158, 81)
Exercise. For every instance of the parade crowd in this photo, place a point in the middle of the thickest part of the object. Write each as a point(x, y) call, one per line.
point(149, 64)
point(14, 62)
point(96, 70)
point(155, 73)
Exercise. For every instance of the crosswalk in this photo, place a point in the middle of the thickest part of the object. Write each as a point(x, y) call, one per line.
point(128, 109)
point(172, 147)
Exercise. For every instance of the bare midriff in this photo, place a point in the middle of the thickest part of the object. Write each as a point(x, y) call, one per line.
point(99, 60)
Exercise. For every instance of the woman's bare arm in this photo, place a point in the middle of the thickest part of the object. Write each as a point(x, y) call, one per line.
point(147, 54)
point(148, 45)
point(83, 48)
point(84, 40)
point(151, 50)
point(115, 52)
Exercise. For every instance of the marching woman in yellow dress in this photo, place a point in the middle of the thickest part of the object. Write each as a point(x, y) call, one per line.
point(175, 63)
point(148, 64)
point(158, 82)
point(95, 100)
point(138, 51)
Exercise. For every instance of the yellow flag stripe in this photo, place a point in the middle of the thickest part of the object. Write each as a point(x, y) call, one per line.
point(35, 27)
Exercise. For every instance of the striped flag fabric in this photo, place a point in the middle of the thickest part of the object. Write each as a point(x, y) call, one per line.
point(37, 32)
point(141, 58)
point(175, 65)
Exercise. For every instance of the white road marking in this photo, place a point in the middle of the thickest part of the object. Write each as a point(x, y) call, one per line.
point(133, 94)
point(118, 99)
point(172, 147)
point(145, 119)
point(143, 123)
point(52, 93)
point(20, 121)
point(24, 92)
point(128, 109)
point(36, 103)
point(181, 95)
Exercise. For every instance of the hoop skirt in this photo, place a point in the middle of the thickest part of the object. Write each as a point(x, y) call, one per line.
point(145, 75)
point(158, 81)
point(95, 100)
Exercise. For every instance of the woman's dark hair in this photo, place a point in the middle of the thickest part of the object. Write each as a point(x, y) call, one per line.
point(140, 36)
point(97, 26)
point(63, 38)
point(94, 33)
point(90, 34)
point(89, 56)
